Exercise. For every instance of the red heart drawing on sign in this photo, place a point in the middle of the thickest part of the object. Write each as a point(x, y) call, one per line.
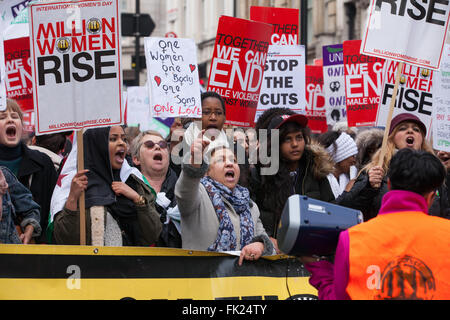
point(192, 67)
point(158, 80)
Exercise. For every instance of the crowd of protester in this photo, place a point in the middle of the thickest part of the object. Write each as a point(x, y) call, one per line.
point(198, 188)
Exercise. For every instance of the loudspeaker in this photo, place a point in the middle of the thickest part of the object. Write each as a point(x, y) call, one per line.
point(311, 227)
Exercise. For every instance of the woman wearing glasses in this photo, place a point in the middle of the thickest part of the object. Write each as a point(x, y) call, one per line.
point(150, 154)
point(213, 120)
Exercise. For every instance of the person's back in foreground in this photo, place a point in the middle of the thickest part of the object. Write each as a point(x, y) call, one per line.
point(403, 253)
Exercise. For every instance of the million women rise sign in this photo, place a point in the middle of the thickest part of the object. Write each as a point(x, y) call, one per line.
point(76, 66)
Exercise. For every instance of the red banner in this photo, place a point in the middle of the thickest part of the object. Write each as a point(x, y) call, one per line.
point(285, 22)
point(19, 85)
point(237, 67)
point(315, 100)
point(363, 85)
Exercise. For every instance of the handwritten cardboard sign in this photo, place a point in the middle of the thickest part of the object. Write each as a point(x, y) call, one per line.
point(173, 77)
point(441, 104)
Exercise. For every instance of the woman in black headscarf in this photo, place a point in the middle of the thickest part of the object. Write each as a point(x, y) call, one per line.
point(120, 207)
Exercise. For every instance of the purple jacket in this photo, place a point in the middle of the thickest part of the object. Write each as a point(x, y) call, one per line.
point(331, 279)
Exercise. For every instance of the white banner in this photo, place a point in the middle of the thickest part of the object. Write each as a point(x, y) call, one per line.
point(334, 84)
point(284, 79)
point(9, 10)
point(75, 49)
point(407, 31)
point(173, 78)
point(138, 107)
point(441, 104)
point(414, 93)
point(2, 76)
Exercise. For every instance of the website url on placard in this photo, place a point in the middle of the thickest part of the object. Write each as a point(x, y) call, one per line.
point(79, 124)
point(401, 56)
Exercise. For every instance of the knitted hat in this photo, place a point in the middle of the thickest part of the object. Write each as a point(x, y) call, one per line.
point(407, 117)
point(346, 147)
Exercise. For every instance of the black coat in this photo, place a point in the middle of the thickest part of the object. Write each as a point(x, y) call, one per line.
point(363, 197)
point(441, 204)
point(37, 168)
point(368, 200)
point(169, 237)
point(311, 181)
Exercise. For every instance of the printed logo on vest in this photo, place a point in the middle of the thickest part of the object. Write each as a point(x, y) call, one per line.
point(407, 278)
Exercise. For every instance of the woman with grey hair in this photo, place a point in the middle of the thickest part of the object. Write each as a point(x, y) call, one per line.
point(150, 152)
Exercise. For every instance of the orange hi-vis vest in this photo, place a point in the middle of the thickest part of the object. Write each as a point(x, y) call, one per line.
point(401, 255)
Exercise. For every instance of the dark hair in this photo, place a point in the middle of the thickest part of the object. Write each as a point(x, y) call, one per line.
point(54, 142)
point(272, 191)
point(291, 127)
point(329, 138)
point(213, 94)
point(335, 115)
point(416, 171)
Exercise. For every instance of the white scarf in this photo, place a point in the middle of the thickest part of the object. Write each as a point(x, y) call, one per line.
point(338, 187)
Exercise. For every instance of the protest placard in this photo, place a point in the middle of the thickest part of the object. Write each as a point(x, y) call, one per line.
point(285, 22)
point(138, 107)
point(172, 76)
point(334, 83)
point(315, 100)
point(237, 67)
point(363, 84)
point(19, 82)
point(9, 10)
point(441, 104)
point(407, 31)
point(282, 85)
point(284, 80)
point(28, 121)
point(414, 93)
point(76, 66)
point(2, 76)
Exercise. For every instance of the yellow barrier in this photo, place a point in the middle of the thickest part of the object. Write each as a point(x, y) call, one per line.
point(103, 273)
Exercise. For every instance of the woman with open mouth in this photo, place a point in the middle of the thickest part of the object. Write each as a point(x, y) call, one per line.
point(120, 207)
point(150, 154)
point(217, 214)
point(407, 131)
point(33, 169)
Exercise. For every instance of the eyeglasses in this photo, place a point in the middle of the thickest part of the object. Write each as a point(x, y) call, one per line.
point(208, 113)
point(150, 144)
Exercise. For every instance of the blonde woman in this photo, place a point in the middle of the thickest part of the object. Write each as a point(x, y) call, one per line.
point(407, 131)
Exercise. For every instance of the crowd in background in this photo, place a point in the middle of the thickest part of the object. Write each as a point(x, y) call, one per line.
point(138, 195)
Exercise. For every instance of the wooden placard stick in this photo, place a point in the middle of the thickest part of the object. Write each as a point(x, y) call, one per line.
point(82, 206)
point(391, 111)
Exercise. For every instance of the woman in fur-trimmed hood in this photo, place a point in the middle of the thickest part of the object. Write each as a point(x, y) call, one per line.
point(303, 167)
